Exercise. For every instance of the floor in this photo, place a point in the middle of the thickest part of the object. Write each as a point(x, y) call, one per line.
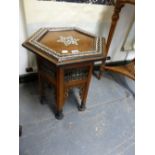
point(106, 127)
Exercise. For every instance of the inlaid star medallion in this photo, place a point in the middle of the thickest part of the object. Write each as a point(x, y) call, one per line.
point(70, 40)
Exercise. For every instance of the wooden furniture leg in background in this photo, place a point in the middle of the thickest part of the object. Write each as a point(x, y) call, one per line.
point(125, 69)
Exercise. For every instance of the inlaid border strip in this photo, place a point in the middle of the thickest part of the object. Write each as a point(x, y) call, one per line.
point(62, 57)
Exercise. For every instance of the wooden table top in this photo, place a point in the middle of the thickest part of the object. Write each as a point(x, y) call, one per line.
point(66, 45)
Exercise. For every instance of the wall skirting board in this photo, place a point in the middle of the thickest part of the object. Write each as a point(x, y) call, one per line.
point(28, 77)
point(117, 63)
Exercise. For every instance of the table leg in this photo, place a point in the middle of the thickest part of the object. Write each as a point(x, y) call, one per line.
point(84, 90)
point(59, 94)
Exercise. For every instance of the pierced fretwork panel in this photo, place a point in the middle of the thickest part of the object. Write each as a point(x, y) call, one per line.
point(76, 74)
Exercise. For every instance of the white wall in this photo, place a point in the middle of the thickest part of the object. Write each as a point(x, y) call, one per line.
point(23, 55)
point(93, 18)
point(122, 29)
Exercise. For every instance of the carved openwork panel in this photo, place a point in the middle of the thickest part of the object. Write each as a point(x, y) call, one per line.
point(76, 74)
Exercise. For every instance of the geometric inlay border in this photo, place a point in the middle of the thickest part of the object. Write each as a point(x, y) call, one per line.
point(65, 56)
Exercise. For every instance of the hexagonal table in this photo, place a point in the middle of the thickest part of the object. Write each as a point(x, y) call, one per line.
point(65, 58)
